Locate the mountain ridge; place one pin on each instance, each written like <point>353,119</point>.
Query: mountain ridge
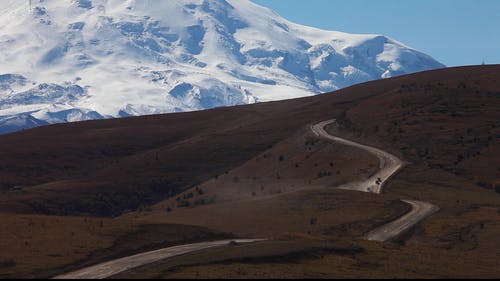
<point>87,59</point>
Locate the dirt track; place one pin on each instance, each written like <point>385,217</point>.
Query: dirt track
<point>420,210</point>
<point>107,269</point>
<point>389,165</point>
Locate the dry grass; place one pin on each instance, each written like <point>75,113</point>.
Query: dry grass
<point>42,246</point>
<point>438,248</point>
<point>37,243</point>
<point>256,171</point>
<point>302,199</point>
<point>446,126</point>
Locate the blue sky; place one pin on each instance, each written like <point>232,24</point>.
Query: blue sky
<point>455,32</point>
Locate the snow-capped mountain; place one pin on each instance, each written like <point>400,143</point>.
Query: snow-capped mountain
<point>71,60</point>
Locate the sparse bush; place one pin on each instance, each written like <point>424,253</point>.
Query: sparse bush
<point>497,188</point>
<point>7,263</point>
<point>200,191</point>
<point>212,199</point>
<point>484,184</point>
<point>200,202</point>
<point>324,174</point>
<point>281,158</point>
<point>183,204</point>
<point>313,221</point>
<point>188,195</point>
<point>311,141</point>
<point>144,208</point>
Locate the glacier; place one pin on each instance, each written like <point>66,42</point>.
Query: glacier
<point>75,60</point>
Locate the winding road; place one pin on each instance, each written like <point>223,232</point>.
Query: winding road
<point>108,269</point>
<point>420,210</point>
<point>389,165</point>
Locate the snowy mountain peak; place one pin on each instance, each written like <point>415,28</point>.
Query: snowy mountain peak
<point>70,60</point>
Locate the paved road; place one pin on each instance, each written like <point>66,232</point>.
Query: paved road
<point>389,165</point>
<point>108,269</point>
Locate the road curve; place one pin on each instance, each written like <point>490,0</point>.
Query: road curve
<point>110,268</point>
<point>420,210</point>
<point>389,165</point>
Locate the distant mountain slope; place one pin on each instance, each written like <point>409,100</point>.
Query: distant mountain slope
<point>76,60</point>
<point>443,120</point>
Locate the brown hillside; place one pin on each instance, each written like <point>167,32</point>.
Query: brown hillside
<point>107,167</point>
<point>258,171</point>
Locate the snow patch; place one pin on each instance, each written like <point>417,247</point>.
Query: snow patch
<point>75,60</point>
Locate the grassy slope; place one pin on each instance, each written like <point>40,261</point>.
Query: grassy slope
<point>114,165</point>
<point>445,124</point>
